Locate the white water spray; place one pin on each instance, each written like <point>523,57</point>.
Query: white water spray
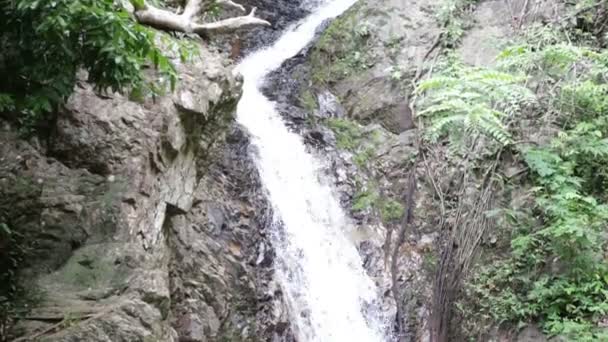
<point>330,296</point>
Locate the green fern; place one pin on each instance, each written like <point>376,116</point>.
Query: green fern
<point>473,101</point>
<point>556,61</point>
<point>6,102</point>
<point>584,99</point>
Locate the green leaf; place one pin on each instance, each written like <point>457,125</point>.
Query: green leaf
<point>5,229</point>
<point>138,4</point>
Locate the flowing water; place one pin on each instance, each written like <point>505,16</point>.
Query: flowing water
<point>330,296</point>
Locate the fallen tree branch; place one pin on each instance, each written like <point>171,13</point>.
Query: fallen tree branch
<point>231,24</point>
<point>166,20</point>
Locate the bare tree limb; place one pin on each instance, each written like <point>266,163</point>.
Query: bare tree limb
<point>231,24</point>
<point>193,7</point>
<point>163,19</point>
<point>185,22</point>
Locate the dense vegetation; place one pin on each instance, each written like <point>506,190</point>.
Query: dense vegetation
<point>553,78</point>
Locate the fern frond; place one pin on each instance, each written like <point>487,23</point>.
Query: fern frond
<point>440,125</point>
<point>436,83</point>
<point>475,101</point>
<point>496,77</point>
<point>452,105</point>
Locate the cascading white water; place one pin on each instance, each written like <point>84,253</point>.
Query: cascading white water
<point>330,296</point>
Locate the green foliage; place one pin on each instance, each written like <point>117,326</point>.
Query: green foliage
<point>348,133</point>
<point>557,272</point>
<point>213,10</point>
<point>11,257</point>
<point>370,199</point>
<point>308,100</point>
<point>391,210</point>
<point>6,103</point>
<point>364,200</point>
<point>362,158</point>
<point>396,73</point>
<point>585,99</point>
<point>462,102</point>
<point>550,61</point>
<point>352,137</point>
<point>572,82</point>
<point>138,4</point>
<point>44,44</point>
<point>430,261</point>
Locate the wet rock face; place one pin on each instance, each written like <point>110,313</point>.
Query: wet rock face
<point>45,200</point>
<point>222,266</point>
<point>147,219</point>
<point>279,13</point>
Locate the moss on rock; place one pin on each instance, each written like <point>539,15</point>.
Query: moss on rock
<point>341,50</point>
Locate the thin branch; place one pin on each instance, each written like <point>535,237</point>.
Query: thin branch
<point>523,15</point>
<point>437,189</point>
<point>420,69</point>
<point>406,223</point>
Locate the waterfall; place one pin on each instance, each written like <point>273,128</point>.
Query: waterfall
<point>329,294</point>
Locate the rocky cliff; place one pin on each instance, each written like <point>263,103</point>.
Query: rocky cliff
<point>145,221</point>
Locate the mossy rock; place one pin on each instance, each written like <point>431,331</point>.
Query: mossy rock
<point>341,50</point>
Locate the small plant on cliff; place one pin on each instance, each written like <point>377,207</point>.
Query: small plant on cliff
<point>452,17</point>
<point>348,133</point>
<point>388,209</point>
